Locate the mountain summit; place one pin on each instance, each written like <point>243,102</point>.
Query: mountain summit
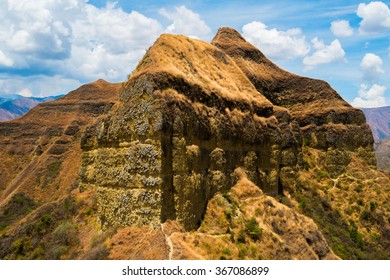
<point>212,151</point>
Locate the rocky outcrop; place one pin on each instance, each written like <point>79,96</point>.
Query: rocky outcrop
<point>192,112</point>
<point>187,118</point>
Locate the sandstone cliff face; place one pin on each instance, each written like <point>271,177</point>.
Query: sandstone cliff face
<point>187,118</point>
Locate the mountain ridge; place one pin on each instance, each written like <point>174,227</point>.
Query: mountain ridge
<point>13,106</point>
<point>379,120</point>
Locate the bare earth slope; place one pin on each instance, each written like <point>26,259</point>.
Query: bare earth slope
<point>46,136</point>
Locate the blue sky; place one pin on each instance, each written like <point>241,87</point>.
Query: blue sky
<point>49,47</point>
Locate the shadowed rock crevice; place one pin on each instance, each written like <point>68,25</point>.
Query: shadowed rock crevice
<point>168,211</point>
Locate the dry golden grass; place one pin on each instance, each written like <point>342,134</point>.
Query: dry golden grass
<point>302,96</point>
<point>138,243</point>
<point>202,64</point>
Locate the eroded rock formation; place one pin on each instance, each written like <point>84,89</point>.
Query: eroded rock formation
<point>193,112</point>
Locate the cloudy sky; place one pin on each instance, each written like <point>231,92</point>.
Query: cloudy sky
<point>49,47</point>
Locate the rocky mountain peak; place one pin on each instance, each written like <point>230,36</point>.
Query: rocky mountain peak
<point>228,34</point>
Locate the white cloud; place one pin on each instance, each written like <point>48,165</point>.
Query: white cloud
<point>79,41</point>
<point>371,65</point>
<point>25,92</point>
<point>186,22</point>
<point>274,43</point>
<point>119,32</point>
<point>375,17</point>
<point>324,53</point>
<point>370,97</point>
<point>5,60</point>
<point>341,28</point>
<point>39,28</point>
<point>73,39</point>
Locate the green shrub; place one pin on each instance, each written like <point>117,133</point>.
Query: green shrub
<point>356,236</point>
<point>18,206</point>
<point>305,165</point>
<point>366,215</point>
<point>253,230</point>
<point>241,237</point>
<point>56,252</point>
<point>242,251</point>
<point>373,206</point>
<point>100,252</point>
<point>226,251</point>
<point>65,233</point>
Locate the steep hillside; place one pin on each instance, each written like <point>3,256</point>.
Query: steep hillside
<point>46,135</point>
<point>382,153</point>
<point>210,152</point>
<point>40,160</point>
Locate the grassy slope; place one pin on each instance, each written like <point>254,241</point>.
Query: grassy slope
<point>351,209</point>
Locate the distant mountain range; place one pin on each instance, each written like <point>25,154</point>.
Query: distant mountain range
<point>379,121</point>
<point>14,105</point>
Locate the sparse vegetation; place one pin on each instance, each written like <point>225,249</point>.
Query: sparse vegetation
<point>346,226</point>
<point>253,230</point>
<point>18,206</point>
<point>48,234</point>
